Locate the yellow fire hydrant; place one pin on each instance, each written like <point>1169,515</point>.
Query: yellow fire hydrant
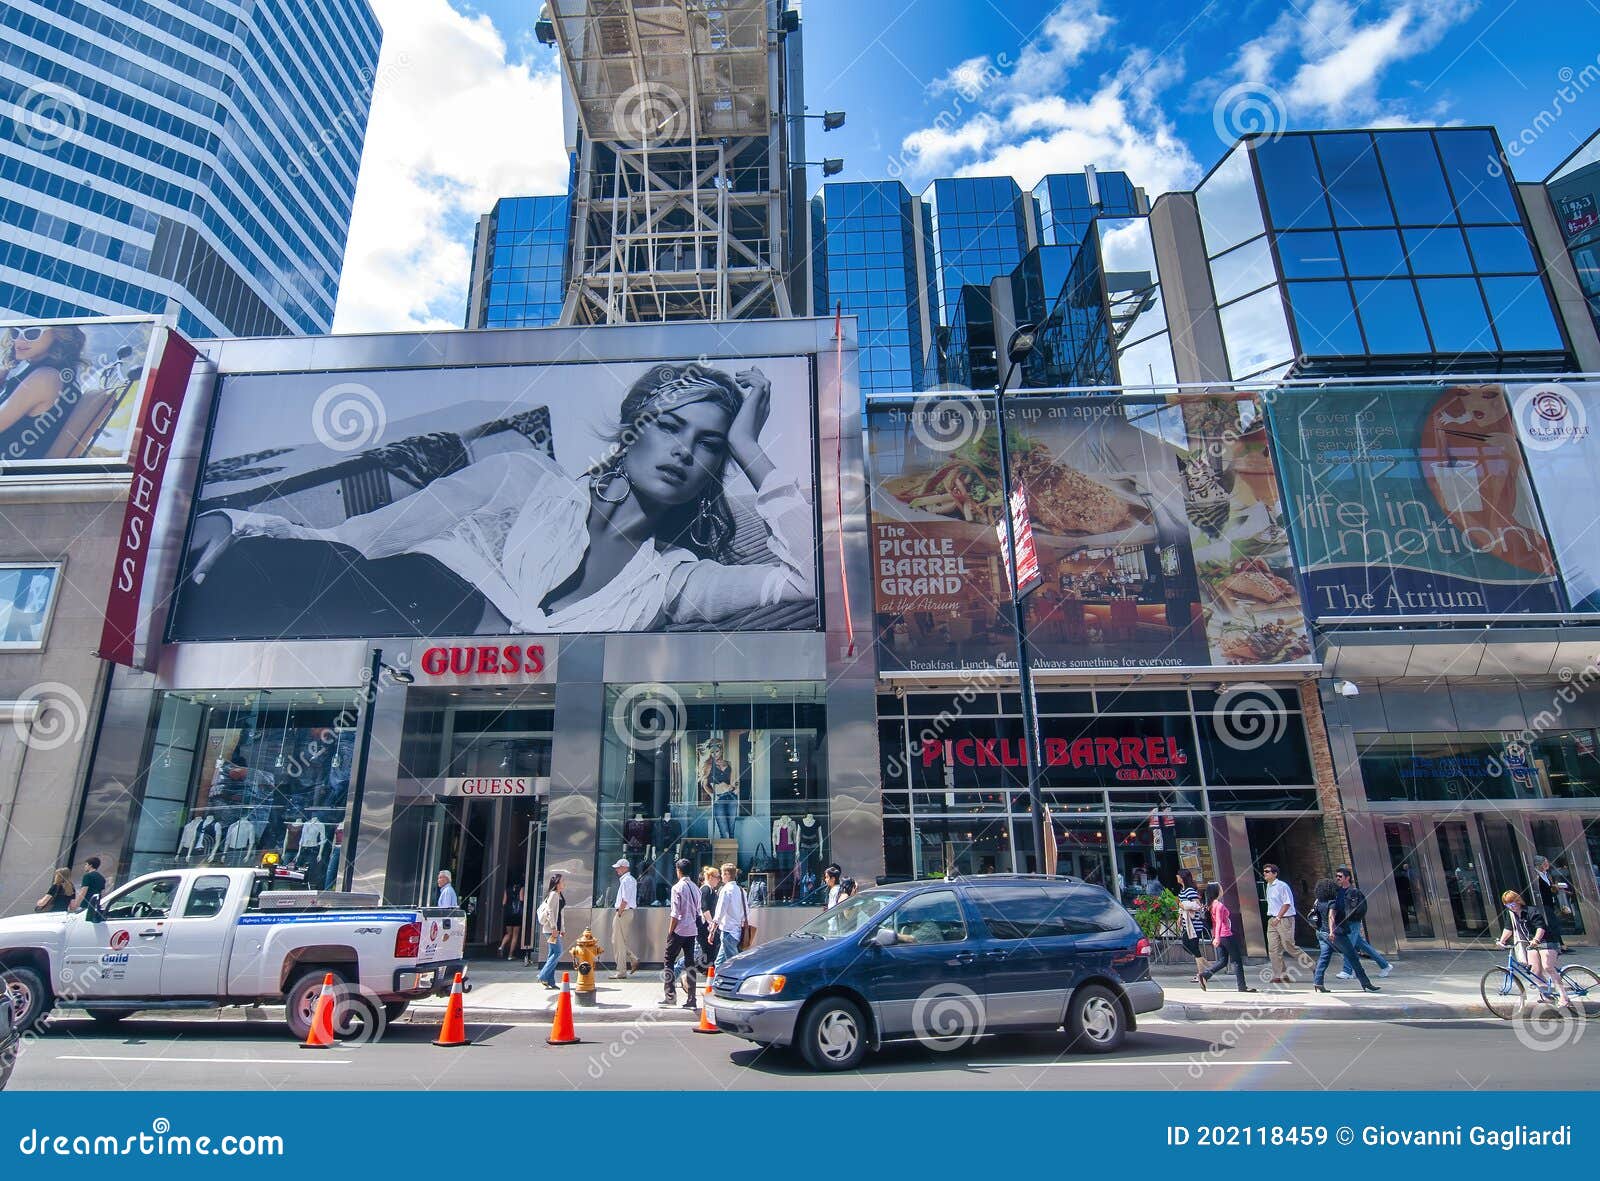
<point>585,954</point>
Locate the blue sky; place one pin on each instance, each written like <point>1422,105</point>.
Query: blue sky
<point>938,87</point>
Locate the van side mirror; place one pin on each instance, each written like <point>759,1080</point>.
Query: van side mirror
<point>884,937</point>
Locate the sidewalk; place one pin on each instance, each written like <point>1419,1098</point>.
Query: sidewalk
<point>1425,984</point>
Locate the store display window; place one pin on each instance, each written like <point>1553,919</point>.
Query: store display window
<point>716,774</point>
<point>234,775</point>
<point>1481,765</point>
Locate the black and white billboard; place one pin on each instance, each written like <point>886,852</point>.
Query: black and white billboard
<point>516,499</point>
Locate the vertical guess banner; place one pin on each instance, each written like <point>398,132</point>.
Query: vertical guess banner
<point>152,448</point>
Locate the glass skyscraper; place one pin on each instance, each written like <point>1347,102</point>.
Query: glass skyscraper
<point>197,157</point>
<point>519,268</point>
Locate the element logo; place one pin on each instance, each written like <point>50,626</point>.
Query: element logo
<point>1549,416</point>
<point>119,940</point>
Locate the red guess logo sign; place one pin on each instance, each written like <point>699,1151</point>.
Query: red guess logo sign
<point>483,660</point>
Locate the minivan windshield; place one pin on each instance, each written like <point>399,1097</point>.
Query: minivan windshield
<point>850,916</point>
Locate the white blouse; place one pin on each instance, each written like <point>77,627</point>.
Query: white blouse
<point>515,525</point>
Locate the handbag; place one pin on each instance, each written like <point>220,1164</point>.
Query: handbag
<point>762,861</point>
<point>747,935</point>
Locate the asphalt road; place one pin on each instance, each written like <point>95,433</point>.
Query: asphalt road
<point>187,1054</point>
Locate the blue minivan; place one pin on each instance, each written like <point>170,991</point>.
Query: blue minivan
<point>944,963</point>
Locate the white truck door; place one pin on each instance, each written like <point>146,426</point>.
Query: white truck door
<point>120,956</point>
<point>197,939</point>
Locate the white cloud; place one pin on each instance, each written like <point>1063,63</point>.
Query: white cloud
<point>967,79</point>
<point>1333,55</point>
<point>1030,127</point>
<point>457,122</point>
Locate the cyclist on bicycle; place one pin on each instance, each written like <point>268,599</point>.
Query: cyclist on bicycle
<point>1525,927</point>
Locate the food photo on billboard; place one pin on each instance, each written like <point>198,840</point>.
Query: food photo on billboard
<point>1156,521</point>
<point>1412,501</point>
<point>672,496</point>
<point>70,389</point>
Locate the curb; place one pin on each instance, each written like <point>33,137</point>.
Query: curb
<point>1358,1011</point>
<point>595,1016</point>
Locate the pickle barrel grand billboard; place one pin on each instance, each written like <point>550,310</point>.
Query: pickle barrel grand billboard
<point>1157,520</point>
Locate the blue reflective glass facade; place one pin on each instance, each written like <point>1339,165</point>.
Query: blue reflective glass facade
<point>1065,204</point>
<point>980,232</point>
<point>198,153</point>
<point>870,269</point>
<point>1394,250</point>
<point>1574,191</point>
<point>525,262</point>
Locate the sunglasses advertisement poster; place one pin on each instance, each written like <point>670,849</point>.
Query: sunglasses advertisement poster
<point>1157,525</point>
<point>666,496</point>
<point>70,390</point>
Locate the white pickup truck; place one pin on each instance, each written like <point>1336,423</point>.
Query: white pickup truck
<point>205,938</point>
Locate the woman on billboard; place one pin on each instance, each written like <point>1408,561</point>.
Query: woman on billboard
<point>40,385</point>
<point>512,543</point>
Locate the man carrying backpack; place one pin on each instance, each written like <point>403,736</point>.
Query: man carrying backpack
<point>1353,903</point>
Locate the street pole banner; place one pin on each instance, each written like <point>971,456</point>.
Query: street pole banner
<point>1026,575</point>
<point>1556,424</point>
<point>1412,501</point>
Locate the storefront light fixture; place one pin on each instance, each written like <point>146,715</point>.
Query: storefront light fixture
<point>1347,689</point>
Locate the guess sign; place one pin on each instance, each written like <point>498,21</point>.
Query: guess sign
<point>496,787</point>
<point>476,663</point>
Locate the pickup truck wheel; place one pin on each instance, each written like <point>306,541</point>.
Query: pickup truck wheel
<point>25,989</point>
<point>833,1035</point>
<point>300,1001</point>
<point>109,1017</point>
<point>394,1010</point>
<point>1094,1020</point>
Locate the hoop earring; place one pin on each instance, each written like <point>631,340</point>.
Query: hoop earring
<point>606,480</point>
<point>706,522</point>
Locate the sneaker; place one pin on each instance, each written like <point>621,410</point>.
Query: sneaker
<point>689,1005</point>
<point>1345,976</point>
<point>1385,971</point>
<point>667,1002</point>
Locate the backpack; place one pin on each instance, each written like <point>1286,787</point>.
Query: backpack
<point>546,917</point>
<point>1356,905</point>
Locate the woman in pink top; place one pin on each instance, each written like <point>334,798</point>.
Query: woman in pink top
<point>1229,944</point>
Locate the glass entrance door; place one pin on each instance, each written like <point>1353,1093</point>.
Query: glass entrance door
<point>1464,880</point>
<point>1410,880</point>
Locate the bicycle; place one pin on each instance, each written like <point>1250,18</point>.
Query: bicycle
<point>1505,989</point>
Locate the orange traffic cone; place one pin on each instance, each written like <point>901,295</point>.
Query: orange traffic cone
<point>320,1035</point>
<point>561,1031</point>
<point>706,1024</point>
<point>454,1030</point>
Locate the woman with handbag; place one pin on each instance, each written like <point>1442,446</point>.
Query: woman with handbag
<point>735,931</point>
<point>1552,896</point>
<point>550,921</point>
<point>59,895</point>
<point>1194,923</point>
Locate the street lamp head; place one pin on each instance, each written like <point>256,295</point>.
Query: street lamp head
<point>832,165</point>
<point>832,120</point>
<point>1021,344</point>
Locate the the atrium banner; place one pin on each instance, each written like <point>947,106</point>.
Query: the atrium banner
<point>522,499</point>
<point>1557,424</point>
<point>1157,523</point>
<point>1411,501</point>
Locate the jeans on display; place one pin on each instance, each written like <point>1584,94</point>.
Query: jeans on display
<point>548,972</point>
<point>1231,947</point>
<point>1338,943</point>
<point>724,812</point>
<point>1358,944</point>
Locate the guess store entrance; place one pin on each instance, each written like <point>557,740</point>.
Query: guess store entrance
<point>474,777</point>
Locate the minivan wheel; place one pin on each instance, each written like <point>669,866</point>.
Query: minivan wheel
<point>1095,1022</point>
<point>833,1035</point>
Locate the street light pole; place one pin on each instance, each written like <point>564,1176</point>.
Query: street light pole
<point>1017,349</point>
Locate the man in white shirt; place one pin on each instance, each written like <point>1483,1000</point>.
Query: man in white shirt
<point>1280,924</point>
<point>622,920</point>
<point>447,892</point>
<point>733,912</point>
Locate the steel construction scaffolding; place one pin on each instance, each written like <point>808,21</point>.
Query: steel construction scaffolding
<point>681,186</point>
